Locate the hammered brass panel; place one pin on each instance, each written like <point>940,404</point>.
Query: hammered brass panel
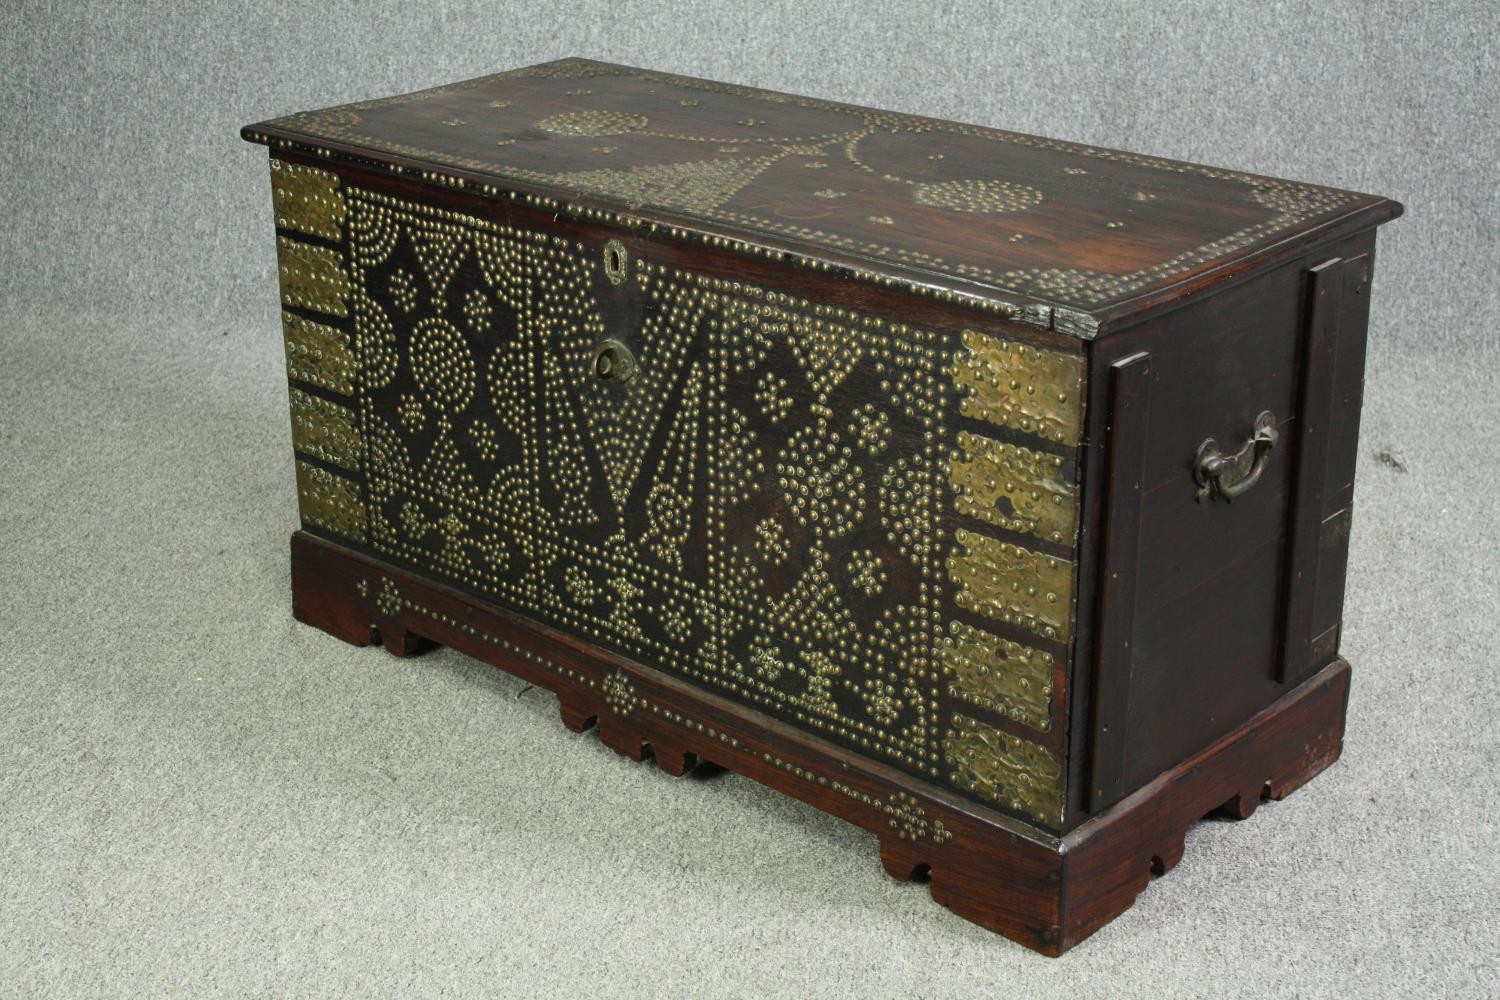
<point>1029,389</point>
<point>1012,584</point>
<point>999,675</point>
<point>324,429</point>
<point>330,502</point>
<point>307,199</point>
<point>318,354</point>
<point>1014,488</point>
<point>1006,769</point>
<point>312,277</point>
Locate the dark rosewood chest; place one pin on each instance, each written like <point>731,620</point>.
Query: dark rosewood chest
<point>988,491</point>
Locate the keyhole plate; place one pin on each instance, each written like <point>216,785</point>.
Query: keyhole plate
<point>613,362</point>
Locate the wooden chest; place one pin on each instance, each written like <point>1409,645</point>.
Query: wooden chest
<point>988,491</point>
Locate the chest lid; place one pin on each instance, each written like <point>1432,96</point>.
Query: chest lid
<point>1077,238</point>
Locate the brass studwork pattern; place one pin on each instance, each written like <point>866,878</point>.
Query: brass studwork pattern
<point>698,186</point>
<point>905,814</point>
<point>1013,488</point>
<point>427,504</point>
<point>910,821</point>
<point>999,675</point>
<point>312,277</point>
<point>307,199</point>
<point>1029,389</point>
<point>317,354</point>
<point>1292,203</point>
<point>393,602</point>
<point>390,601</point>
<point>1012,584</point>
<point>619,693</point>
<point>324,429</point>
<point>330,502</point>
<point>443,364</point>
<point>1004,769</point>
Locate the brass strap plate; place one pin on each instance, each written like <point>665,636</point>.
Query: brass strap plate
<point>1012,584</point>
<point>307,199</point>
<point>312,277</point>
<point>1029,389</point>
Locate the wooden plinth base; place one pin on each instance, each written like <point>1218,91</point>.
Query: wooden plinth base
<point>1045,892</point>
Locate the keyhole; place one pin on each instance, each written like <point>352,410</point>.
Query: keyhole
<point>604,363</point>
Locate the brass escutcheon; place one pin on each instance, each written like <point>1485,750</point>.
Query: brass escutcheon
<point>615,259</point>
<point>613,362</point>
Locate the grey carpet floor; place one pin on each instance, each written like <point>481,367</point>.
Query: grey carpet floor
<point>201,797</point>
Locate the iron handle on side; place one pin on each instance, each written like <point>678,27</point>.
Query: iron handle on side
<point>1229,476</point>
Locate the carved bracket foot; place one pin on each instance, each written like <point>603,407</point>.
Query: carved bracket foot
<point>1046,892</point>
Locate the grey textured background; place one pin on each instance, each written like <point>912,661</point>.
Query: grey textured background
<point>199,797</point>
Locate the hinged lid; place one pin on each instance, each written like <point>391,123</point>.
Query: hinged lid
<point>1073,237</point>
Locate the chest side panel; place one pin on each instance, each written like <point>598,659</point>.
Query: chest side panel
<point>859,526</point>
<point>1217,584</point>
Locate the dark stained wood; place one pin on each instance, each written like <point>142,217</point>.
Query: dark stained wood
<point>1044,892</point>
<point>1210,578</point>
<point>1109,860</point>
<point>1127,430</point>
<point>1338,490</point>
<point>1325,298</point>
<point>1110,236</point>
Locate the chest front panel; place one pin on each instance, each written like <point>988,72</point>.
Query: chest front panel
<point>859,527</point>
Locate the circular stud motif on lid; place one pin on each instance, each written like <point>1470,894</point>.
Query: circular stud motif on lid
<point>592,123</point>
<point>984,196</point>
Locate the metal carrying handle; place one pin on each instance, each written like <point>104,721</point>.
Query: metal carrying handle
<point>1230,476</point>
